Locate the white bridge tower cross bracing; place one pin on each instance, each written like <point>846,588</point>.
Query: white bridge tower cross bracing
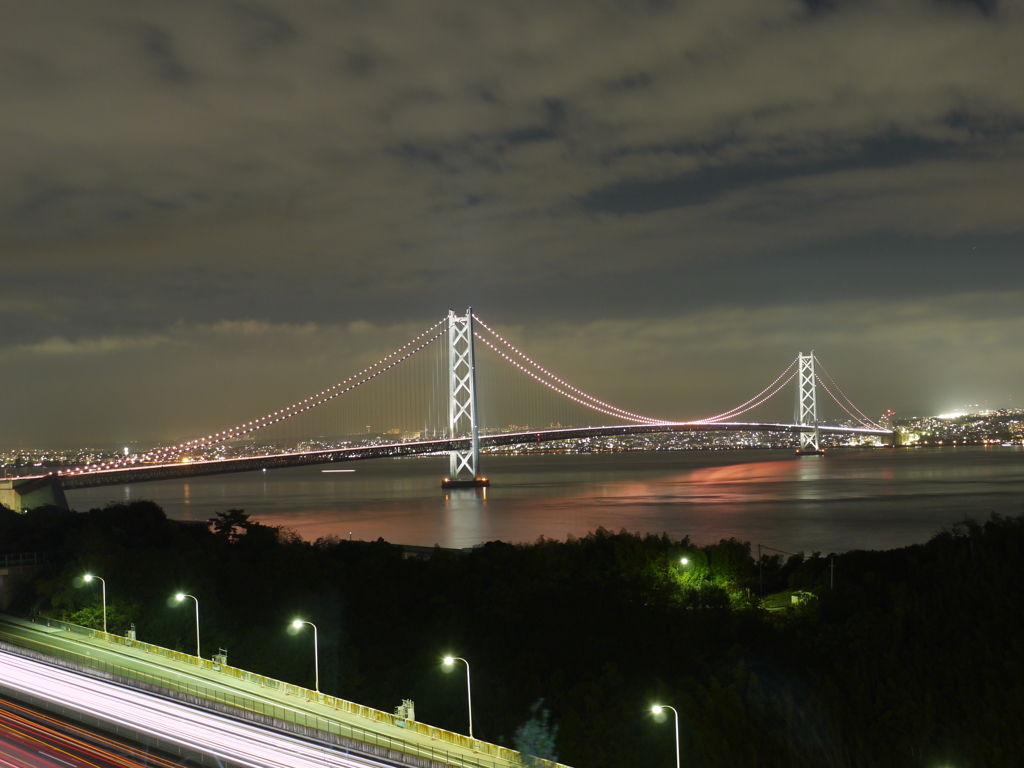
<point>462,410</point>
<point>807,406</point>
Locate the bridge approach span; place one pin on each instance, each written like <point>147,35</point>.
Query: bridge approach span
<point>92,478</point>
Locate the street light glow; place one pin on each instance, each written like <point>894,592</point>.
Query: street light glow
<point>88,578</point>
<point>449,661</point>
<point>684,561</point>
<point>181,596</point>
<point>658,709</point>
<point>297,625</point>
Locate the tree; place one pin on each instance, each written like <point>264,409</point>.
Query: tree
<point>226,523</point>
<point>535,738</point>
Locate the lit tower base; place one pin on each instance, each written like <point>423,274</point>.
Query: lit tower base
<point>807,409</point>
<point>462,418</point>
<point>476,482</point>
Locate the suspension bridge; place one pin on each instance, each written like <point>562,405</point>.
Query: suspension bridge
<point>423,399</point>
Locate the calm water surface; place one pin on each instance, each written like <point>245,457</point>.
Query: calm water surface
<point>872,499</point>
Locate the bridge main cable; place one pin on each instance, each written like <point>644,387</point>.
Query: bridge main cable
<point>594,403</point>
<point>739,409</point>
<point>165,454</point>
<point>863,418</point>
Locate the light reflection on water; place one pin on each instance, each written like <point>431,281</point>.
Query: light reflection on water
<point>845,500</point>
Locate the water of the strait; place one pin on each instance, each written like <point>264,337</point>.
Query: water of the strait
<point>848,499</point>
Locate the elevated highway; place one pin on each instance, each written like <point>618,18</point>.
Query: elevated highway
<point>269,704</point>
<point>198,736</point>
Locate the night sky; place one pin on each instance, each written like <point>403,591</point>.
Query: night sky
<point>212,208</point>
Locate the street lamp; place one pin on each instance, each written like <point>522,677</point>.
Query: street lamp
<point>179,597</point>
<point>684,561</point>
<point>656,709</point>
<point>89,577</point>
<point>297,624</point>
<point>449,661</point>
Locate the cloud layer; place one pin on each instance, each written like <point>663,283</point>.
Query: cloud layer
<point>195,379</point>
<point>309,164</point>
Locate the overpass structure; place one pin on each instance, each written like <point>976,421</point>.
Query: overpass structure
<point>166,687</point>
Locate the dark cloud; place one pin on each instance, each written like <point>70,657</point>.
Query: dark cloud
<point>163,59</point>
<point>360,63</point>
<point>986,7</point>
<point>172,166</point>
<point>632,82</point>
<point>263,28</point>
<point>984,127</point>
<point>710,182</point>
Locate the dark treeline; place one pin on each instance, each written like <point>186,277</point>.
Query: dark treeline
<point>914,658</point>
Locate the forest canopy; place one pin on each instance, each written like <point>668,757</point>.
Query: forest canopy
<point>903,657</point>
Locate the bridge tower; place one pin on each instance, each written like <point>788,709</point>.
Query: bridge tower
<point>807,408</point>
<point>462,413</point>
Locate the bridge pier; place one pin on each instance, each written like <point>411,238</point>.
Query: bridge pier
<point>22,494</point>
<point>462,413</point>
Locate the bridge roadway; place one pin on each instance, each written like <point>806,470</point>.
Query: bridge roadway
<point>286,703</point>
<point>91,478</point>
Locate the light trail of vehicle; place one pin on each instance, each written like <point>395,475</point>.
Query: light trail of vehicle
<point>22,736</point>
<point>227,691</point>
<point>31,727</point>
<point>205,732</point>
<point>26,743</point>
<point>161,671</point>
<point>16,755</point>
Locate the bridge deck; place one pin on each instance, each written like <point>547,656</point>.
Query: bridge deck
<point>87,477</point>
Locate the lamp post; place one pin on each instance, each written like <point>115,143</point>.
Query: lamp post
<point>449,661</point>
<point>297,624</point>
<point>89,577</point>
<point>656,709</point>
<point>179,597</point>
